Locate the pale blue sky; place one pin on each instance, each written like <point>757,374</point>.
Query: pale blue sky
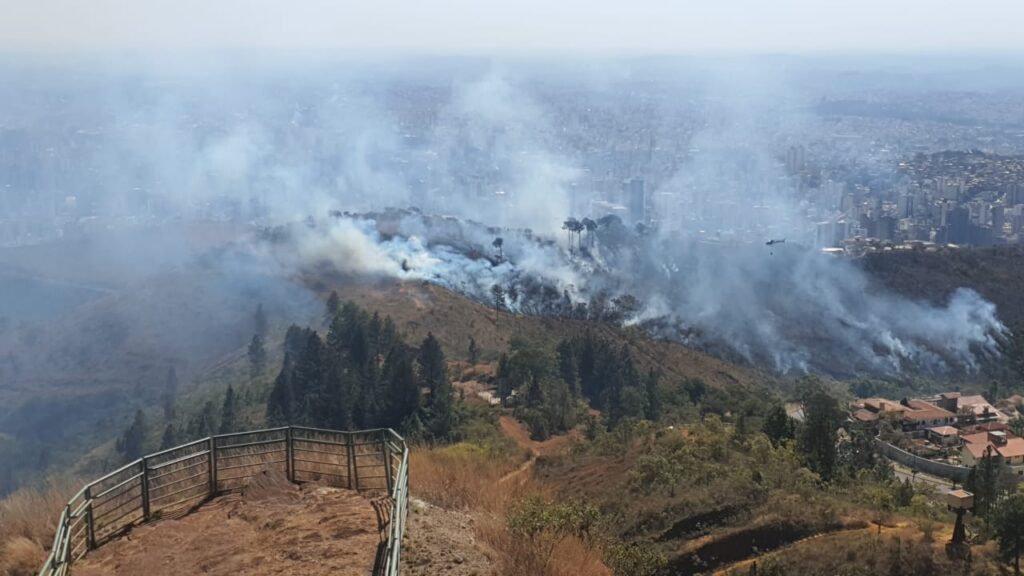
<point>497,26</point>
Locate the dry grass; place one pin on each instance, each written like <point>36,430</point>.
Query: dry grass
<point>21,557</point>
<point>467,478</point>
<point>461,477</point>
<point>545,554</point>
<point>28,521</point>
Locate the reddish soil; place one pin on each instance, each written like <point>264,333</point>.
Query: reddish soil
<point>313,531</point>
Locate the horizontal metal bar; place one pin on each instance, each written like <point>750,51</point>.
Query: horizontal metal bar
<point>253,465</point>
<point>341,453</point>
<point>193,456</point>
<point>172,505</point>
<point>116,472</point>
<point>123,526</point>
<point>204,474</point>
<point>115,503</point>
<point>267,431</point>
<point>116,486</point>
<point>182,469</point>
<point>321,473</point>
<point>81,508</point>
<point>176,492</point>
<point>248,444</point>
<point>134,500</point>
<point>319,462</point>
<point>182,447</point>
<point>324,442</point>
<point>226,456</point>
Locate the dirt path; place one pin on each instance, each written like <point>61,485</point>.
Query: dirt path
<point>313,531</point>
<point>517,431</point>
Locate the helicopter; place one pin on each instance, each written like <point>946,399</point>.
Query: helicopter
<point>773,242</point>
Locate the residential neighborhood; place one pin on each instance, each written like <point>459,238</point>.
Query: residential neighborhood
<point>950,428</point>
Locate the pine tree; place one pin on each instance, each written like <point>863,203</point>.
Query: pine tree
<point>170,437</point>
<point>474,351</point>
<point>567,366</point>
<point>431,361</point>
<point>440,412</point>
<point>204,424</point>
<point>498,296</point>
<point>229,412</point>
<point>778,426</point>
<point>281,399</point>
<point>132,443</point>
<point>170,396</point>
<point>403,391</point>
<point>311,400</point>
<point>257,356</point>
<point>653,399</point>
<point>817,440</point>
<point>260,321</point>
<point>333,305</point>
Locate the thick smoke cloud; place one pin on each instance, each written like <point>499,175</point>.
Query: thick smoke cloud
<point>486,153</point>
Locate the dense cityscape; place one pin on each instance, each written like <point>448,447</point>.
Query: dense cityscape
<point>844,168</point>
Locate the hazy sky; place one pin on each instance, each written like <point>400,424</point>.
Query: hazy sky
<point>475,26</point>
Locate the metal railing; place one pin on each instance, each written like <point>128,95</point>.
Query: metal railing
<point>173,482</point>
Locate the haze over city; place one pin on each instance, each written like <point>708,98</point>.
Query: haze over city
<point>595,288</point>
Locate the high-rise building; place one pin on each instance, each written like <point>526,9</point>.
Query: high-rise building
<point>635,198</point>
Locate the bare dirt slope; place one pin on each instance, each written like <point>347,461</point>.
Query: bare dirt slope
<point>311,531</point>
<point>439,541</point>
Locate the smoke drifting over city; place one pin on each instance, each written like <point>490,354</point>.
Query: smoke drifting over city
<point>415,179</point>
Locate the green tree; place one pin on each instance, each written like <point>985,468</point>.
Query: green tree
<point>260,321</point>
<point>498,297</point>
<point>170,395</point>
<point>439,419</point>
<point>653,399</point>
<point>281,399</point>
<point>169,438</point>
<point>818,436</point>
<point>778,426</point>
<point>229,412</point>
<point>132,442</point>
<point>1017,425</point>
<point>640,558</point>
<point>433,370</point>
<point>205,423</point>
<point>567,365</point>
<point>474,351</point>
<point>984,482</point>
<point>402,389</point>
<point>1008,525</point>
<point>333,305</point>
<point>257,356</point>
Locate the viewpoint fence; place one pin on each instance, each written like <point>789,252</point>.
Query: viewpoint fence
<point>173,482</point>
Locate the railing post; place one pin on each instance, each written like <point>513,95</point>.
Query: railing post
<point>90,525</point>
<point>353,466</point>
<point>289,458</point>
<point>145,489</point>
<point>67,537</point>
<point>387,460</point>
<point>212,457</point>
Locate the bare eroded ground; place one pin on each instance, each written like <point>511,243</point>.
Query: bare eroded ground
<point>312,531</point>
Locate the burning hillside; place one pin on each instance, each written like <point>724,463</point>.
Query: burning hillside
<point>786,307</point>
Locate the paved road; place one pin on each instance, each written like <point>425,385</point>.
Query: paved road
<point>942,486</point>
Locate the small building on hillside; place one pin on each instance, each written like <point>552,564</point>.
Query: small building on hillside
<point>944,435</point>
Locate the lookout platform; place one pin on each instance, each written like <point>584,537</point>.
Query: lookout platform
<point>274,527</point>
